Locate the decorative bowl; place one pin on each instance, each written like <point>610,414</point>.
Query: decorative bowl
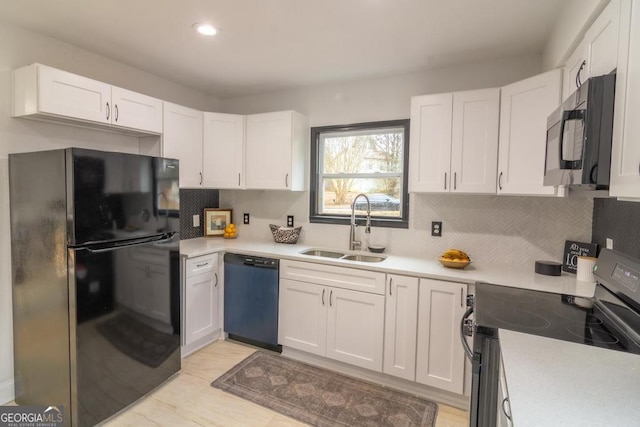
<point>449,263</point>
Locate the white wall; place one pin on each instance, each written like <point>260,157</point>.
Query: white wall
<point>19,47</point>
<point>574,19</point>
<point>509,230</point>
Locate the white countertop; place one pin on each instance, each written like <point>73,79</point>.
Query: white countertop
<point>520,276</point>
<point>559,383</point>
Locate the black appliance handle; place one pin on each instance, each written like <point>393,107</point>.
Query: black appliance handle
<point>465,344</point>
<point>128,243</point>
<point>566,116</point>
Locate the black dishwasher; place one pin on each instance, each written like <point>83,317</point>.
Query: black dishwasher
<point>251,300</point>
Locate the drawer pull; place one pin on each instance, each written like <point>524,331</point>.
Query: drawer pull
<point>204,264</point>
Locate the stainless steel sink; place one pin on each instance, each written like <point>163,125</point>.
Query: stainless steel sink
<point>321,253</point>
<point>363,258</point>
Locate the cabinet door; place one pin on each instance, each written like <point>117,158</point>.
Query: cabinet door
<point>625,152</point>
<point>136,111</point>
<point>355,328</point>
<point>474,150</point>
<point>575,70</point>
<point>269,150</point>
<point>602,41</point>
<point>302,316</point>
<point>66,94</point>
<point>182,140</point>
<point>223,150</point>
<point>200,306</point>
<point>440,356</point>
<point>401,325</point>
<point>430,143</point>
<point>524,109</point>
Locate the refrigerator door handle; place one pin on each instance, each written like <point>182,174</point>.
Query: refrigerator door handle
<point>129,243</point>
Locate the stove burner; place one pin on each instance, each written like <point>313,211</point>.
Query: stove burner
<point>580,318</point>
<point>598,336</point>
<point>520,318</point>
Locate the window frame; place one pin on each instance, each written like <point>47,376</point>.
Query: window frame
<point>376,221</point>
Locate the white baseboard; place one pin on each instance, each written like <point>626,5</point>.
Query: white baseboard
<point>6,391</point>
<point>186,350</point>
<point>434,394</point>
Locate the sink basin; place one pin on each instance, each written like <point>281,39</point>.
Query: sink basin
<point>364,258</point>
<point>321,253</point>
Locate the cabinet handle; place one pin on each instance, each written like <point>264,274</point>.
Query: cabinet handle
<point>323,291</point>
<point>286,181</point>
<point>578,79</point>
<point>504,408</point>
<point>445,180</point>
<point>500,181</point>
<point>390,285</point>
<point>238,180</point>
<point>108,111</point>
<point>200,178</point>
<point>204,264</point>
<point>216,284</point>
<point>116,111</point>
<point>461,297</point>
<point>330,297</point>
<point>455,180</point>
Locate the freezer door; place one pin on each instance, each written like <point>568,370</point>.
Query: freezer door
<point>119,196</point>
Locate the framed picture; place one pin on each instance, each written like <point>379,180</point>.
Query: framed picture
<point>215,220</point>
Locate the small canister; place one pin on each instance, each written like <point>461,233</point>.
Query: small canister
<point>584,271</point>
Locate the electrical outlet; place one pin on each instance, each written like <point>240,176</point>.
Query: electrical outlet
<point>609,243</point>
<point>246,219</point>
<point>289,220</point>
<point>436,228</point>
<point>196,220</point>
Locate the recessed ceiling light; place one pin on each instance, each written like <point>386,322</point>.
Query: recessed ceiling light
<point>205,29</point>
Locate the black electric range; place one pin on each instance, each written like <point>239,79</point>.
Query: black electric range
<point>610,319</point>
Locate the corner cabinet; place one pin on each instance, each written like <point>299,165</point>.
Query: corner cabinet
<point>275,157</point>
<point>440,356</point>
<point>200,302</point>
<point>45,93</point>
<point>454,142</point>
<point>401,325</point>
<point>625,150</point>
<point>223,151</point>
<point>524,109</point>
<point>182,140</point>
<point>324,311</point>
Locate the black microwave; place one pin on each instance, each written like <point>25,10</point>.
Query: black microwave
<point>579,137</point>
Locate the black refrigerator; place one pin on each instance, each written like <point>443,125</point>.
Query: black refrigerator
<point>95,279</point>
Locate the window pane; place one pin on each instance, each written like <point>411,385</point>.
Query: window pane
<point>338,194</point>
<point>364,151</point>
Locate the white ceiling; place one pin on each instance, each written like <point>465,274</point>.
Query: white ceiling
<point>266,45</point>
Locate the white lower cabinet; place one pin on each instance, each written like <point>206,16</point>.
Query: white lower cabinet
<point>440,356</point>
<point>341,324</point>
<point>201,280</point>
<point>401,325</point>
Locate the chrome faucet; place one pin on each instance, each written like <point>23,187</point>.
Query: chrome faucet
<point>353,243</point>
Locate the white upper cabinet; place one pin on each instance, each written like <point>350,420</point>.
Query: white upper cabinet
<point>182,140</point>
<point>575,71</point>
<point>430,143</point>
<point>454,142</point>
<point>601,41</point>
<point>625,152</point>
<point>47,93</point>
<point>223,151</point>
<point>474,148</point>
<point>275,156</point>
<point>524,109</point>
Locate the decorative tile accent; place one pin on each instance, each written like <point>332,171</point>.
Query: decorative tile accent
<point>193,202</point>
<point>619,221</point>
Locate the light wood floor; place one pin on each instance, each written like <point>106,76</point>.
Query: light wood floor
<point>189,400</point>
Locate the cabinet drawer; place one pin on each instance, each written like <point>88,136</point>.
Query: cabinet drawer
<point>201,264</point>
<point>339,277</point>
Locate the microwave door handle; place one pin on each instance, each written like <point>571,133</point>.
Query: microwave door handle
<point>566,116</point>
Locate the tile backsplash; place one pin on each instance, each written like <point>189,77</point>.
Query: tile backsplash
<point>193,202</point>
<point>619,221</point>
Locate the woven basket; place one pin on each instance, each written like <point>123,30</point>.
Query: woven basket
<point>284,234</point>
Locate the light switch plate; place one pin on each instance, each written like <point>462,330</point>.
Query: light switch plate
<point>609,243</point>
<point>196,220</point>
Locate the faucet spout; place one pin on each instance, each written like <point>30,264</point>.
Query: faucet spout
<point>353,243</point>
